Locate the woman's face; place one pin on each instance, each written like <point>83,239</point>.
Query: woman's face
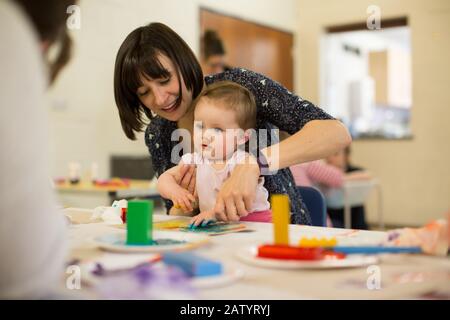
<point>160,95</point>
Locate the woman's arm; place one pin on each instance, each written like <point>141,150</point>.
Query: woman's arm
<point>314,135</point>
<point>237,193</point>
<point>316,140</point>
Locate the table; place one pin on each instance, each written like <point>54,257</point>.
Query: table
<point>134,188</point>
<point>402,276</point>
<point>88,194</point>
<point>351,194</point>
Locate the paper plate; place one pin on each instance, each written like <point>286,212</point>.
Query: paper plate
<point>213,229</point>
<point>116,242</point>
<point>228,277</point>
<point>249,255</point>
<point>113,263</point>
<point>128,262</point>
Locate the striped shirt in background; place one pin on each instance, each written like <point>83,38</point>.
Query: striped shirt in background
<point>316,173</point>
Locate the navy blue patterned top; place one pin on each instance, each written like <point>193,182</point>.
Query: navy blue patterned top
<point>276,108</point>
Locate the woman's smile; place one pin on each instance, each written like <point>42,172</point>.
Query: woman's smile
<point>171,107</point>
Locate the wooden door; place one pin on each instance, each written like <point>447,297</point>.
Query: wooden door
<point>253,46</point>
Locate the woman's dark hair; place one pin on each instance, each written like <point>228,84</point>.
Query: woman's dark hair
<point>211,44</point>
<point>138,57</point>
<point>49,19</point>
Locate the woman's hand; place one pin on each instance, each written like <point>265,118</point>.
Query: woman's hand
<point>187,177</point>
<point>237,194</point>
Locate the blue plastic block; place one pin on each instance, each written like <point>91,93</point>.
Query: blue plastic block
<point>193,264</point>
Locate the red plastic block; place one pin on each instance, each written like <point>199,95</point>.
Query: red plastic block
<point>124,215</point>
<point>289,253</point>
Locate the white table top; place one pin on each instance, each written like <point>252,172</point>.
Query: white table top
<point>402,276</point>
<point>352,193</point>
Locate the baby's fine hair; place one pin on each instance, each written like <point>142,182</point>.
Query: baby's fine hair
<point>232,97</point>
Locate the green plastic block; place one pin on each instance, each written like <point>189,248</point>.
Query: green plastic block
<point>139,222</point>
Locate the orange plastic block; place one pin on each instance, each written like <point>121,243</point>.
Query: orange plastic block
<point>286,252</point>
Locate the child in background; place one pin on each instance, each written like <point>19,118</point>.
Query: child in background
<point>322,174</point>
<point>318,174</point>
<point>224,113</point>
<point>325,175</point>
<point>341,160</point>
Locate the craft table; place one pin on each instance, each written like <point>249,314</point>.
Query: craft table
<point>402,276</point>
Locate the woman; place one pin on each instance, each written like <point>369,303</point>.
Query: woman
<point>212,54</point>
<point>157,75</point>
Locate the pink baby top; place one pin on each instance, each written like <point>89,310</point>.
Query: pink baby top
<point>209,181</point>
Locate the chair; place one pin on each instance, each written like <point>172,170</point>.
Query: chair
<point>315,202</point>
<point>131,167</point>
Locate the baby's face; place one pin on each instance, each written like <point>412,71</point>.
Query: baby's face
<point>216,131</point>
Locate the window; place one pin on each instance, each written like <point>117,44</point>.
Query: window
<point>366,79</point>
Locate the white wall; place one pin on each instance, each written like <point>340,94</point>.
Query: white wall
<point>85,121</point>
<point>277,14</point>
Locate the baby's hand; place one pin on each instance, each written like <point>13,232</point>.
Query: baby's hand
<point>202,219</point>
<point>182,199</point>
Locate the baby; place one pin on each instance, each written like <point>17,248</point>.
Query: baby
<point>224,115</point>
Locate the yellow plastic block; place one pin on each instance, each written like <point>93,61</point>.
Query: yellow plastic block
<point>177,206</point>
<point>314,242</point>
<point>171,224</point>
<point>280,218</point>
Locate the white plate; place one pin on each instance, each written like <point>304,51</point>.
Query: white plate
<point>249,255</point>
<point>116,242</point>
<point>228,277</point>
<point>113,262</point>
